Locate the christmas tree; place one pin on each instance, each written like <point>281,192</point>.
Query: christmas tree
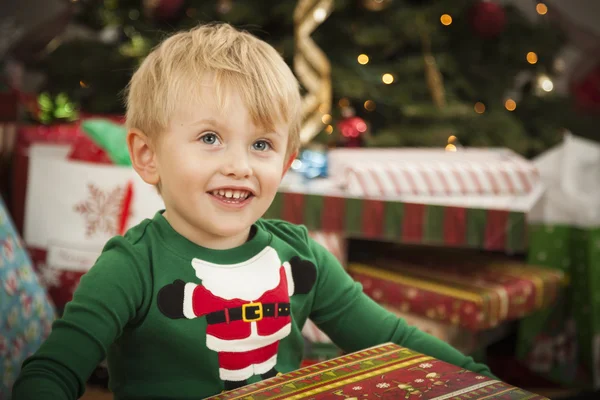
<point>444,73</point>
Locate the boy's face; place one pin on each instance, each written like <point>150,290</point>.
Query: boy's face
<point>218,171</point>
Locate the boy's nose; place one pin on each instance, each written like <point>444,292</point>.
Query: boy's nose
<point>236,165</point>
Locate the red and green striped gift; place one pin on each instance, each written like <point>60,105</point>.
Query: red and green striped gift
<point>447,226</point>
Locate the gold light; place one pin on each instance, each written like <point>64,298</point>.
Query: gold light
<point>510,104</point>
<point>369,105</point>
<point>344,102</point>
<point>329,129</point>
<point>83,84</point>
<point>326,119</point>
<point>451,139</point>
<point>387,78</point>
<point>479,107</point>
<point>541,8</point>
<point>363,59</point>
<point>450,147</point>
<point>323,108</point>
<point>532,58</point>
<point>446,19</point>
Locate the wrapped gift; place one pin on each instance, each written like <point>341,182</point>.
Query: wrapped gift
<point>563,343</point>
<point>432,172</point>
<point>26,313</point>
<point>387,371</point>
<point>470,295</point>
<point>73,208</point>
<point>462,339</point>
<point>69,134</point>
<point>27,135</point>
<point>449,226</point>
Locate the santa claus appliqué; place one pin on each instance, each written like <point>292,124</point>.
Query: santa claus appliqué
<point>247,309</point>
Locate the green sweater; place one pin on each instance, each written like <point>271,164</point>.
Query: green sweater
<point>173,319</point>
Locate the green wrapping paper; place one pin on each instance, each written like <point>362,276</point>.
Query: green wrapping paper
<point>496,230</point>
<point>563,343</point>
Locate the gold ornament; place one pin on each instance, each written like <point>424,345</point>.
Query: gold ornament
<point>433,76</point>
<point>312,66</point>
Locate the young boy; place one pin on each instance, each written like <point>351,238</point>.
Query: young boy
<point>207,296</point>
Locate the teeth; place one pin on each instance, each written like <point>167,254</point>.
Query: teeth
<point>236,194</point>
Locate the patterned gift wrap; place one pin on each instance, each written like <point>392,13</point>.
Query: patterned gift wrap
<point>320,346</point>
<point>475,298</point>
<point>563,343</point>
<point>26,314</point>
<point>449,174</point>
<point>447,226</point>
<point>383,372</point>
<point>26,136</point>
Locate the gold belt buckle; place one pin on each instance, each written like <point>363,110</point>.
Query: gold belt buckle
<point>255,308</point>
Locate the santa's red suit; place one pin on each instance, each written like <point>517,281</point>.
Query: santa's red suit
<point>247,307</point>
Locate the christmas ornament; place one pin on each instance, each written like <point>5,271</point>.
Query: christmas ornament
<point>376,5</point>
<point>224,6</point>
<point>163,9</point>
<point>488,18</point>
<point>586,91</point>
<point>311,164</point>
<point>311,66</point>
<point>352,128</point>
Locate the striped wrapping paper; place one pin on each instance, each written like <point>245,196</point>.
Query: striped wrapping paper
<point>432,172</point>
<point>497,230</point>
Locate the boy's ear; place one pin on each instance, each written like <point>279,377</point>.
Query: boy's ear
<point>143,156</point>
<point>289,162</point>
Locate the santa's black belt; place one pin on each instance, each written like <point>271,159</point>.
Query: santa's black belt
<point>249,313</point>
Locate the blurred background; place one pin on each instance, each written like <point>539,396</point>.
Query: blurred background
<point>491,107</point>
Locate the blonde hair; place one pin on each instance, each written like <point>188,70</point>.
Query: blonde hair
<point>172,75</point>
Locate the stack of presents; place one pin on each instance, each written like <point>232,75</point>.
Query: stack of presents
<point>461,244</point>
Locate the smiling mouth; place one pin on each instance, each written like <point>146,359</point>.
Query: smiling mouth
<point>231,195</point>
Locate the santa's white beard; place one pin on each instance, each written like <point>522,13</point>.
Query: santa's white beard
<point>247,280</point>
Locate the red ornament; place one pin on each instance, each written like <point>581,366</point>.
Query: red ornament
<point>586,91</point>
<point>352,129</point>
<point>163,9</point>
<point>488,18</point>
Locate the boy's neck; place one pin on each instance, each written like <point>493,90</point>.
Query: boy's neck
<point>205,239</point>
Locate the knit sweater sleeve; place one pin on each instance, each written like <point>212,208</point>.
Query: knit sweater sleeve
<point>354,321</point>
<point>108,297</point>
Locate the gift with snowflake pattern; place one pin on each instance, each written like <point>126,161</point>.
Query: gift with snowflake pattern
<point>70,201</point>
<point>26,313</point>
<point>383,372</point>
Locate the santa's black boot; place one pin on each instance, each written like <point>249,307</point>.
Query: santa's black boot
<point>232,385</point>
<point>271,373</point>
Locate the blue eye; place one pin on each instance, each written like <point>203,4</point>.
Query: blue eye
<point>261,145</point>
<point>210,138</point>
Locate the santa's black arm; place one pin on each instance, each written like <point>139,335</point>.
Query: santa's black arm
<point>170,299</point>
<point>304,274</point>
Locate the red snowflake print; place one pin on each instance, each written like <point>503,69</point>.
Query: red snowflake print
<point>101,210</point>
